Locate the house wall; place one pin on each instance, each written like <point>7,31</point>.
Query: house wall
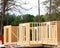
<point>46,33</point>
<point>53,33</point>
<point>10,34</point>
<point>5,34</point>
<point>24,37</point>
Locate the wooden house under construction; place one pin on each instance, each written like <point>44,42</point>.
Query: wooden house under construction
<point>33,34</point>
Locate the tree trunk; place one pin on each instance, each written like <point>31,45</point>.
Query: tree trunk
<point>2,16</point>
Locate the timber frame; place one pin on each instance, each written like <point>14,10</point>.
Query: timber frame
<point>33,34</point>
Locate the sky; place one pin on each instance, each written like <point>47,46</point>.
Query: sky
<point>34,5</point>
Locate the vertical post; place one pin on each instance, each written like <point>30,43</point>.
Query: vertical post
<point>39,9</point>
<point>50,10</point>
<point>2,14</point>
<point>7,13</point>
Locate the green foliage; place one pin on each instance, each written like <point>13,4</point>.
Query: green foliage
<point>12,20</point>
<point>42,18</point>
<point>27,18</point>
<point>15,20</point>
<point>55,17</point>
<point>8,19</point>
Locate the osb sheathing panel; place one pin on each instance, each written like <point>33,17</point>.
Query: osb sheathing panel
<point>14,34</point>
<point>7,38</point>
<point>58,32</point>
<point>11,29</point>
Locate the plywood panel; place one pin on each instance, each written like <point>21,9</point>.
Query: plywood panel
<point>58,32</point>
<point>7,34</point>
<point>14,34</point>
<point>9,38</point>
